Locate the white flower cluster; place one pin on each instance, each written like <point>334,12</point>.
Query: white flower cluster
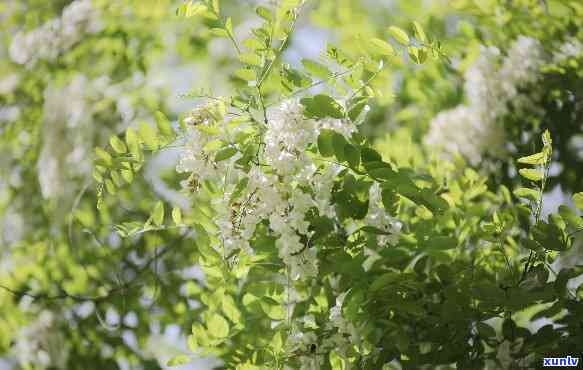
<point>205,126</point>
<point>57,35</point>
<point>378,217</point>
<point>65,116</point>
<point>347,334</point>
<point>40,345</point>
<point>491,84</point>
<point>284,183</point>
<point>572,48</point>
<point>68,132</point>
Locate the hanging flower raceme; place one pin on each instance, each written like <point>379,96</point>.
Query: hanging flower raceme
<point>284,183</point>
<point>491,83</point>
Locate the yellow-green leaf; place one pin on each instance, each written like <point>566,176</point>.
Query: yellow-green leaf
<point>382,47</point>
<point>105,156</point>
<point>132,141</point>
<point>148,135</point>
<point>163,124</point>
<point>399,35</point>
<point>219,32</point>
<point>230,309</point>
<point>547,140</point>
<point>534,159</point>
<point>527,193</point>
<point>177,215</point>
<point>531,174</point>
<point>117,144</point>
<point>218,326</point>
<point>229,25</point>
<point>245,74</point>
<point>158,214</point>
<point>419,32</point>
<point>264,13</point>
<point>225,154</point>
<point>253,44</point>
<point>251,59</point>
<point>316,68</point>
<point>578,200</point>
<point>273,311</point>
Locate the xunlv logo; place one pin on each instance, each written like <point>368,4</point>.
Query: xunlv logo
<point>561,361</point>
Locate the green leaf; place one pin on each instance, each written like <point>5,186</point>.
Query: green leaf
<point>531,174</point>
<point>118,145</point>
<point>441,243</point>
<point>329,106</point>
<point>527,193</point>
<point>419,32</point>
<point>549,236</point>
<point>357,108</point>
<point>226,154</point>
<point>253,44</point>
<point>264,13</point>
<point>245,74</point>
<point>218,326</point>
<point>230,309</point>
<point>272,309</point>
<point>337,362</point>
<point>216,6</point>
<point>164,124</point>
<point>251,59</point>
<point>322,106</point>
<point>195,8</point>
<point>369,155</point>
<point>382,47</point>
<point>399,35</point>
<point>127,175</point>
<point>547,140</point>
<point>133,142</point>
<point>325,143</point>
<point>148,135</point>
<point>315,68</point>
<point>178,360</point>
<point>105,156</point>
<point>534,159</point>
<point>570,217</point>
<point>352,154</point>
<point>339,143</point>
<point>578,200</point>
<point>158,214</point>
<point>177,215</point>
<point>98,176</point>
<point>229,25</point>
<point>110,187</point>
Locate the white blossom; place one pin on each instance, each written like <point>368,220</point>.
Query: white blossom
<point>378,217</point>
<point>66,115</point>
<point>40,344</point>
<point>571,48</point>
<point>492,82</point>
<point>56,35</point>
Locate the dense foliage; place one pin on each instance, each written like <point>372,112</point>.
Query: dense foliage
<point>390,201</point>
